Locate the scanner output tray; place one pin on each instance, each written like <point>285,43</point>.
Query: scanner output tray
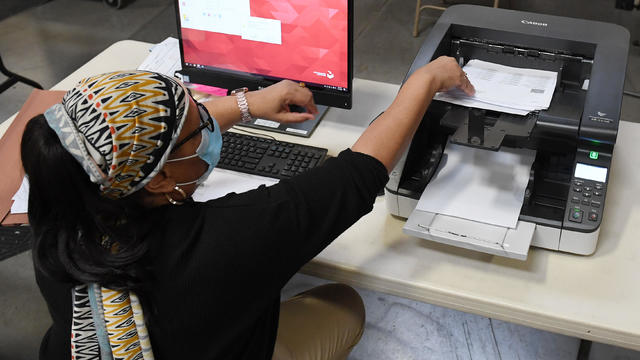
<point>472,235</point>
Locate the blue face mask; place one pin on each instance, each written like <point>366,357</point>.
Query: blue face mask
<point>208,150</point>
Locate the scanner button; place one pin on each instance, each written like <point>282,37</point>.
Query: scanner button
<point>587,188</point>
<point>575,215</point>
<point>586,194</point>
<point>577,189</point>
<point>597,193</point>
<point>595,204</point>
<point>593,216</point>
<point>575,200</point>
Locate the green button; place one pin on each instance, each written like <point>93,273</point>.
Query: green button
<point>593,155</point>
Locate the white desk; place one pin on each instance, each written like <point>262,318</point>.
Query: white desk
<point>595,297</point>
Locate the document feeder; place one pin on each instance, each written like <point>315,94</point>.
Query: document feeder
<point>574,138</point>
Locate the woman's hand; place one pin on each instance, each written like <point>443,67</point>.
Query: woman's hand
<point>273,102</point>
<point>445,74</point>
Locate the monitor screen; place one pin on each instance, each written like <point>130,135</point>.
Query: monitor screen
<point>253,43</point>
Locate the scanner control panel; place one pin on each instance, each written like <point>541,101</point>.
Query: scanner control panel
<point>586,199</point>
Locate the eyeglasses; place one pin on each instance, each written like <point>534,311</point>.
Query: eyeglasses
<point>205,122</point>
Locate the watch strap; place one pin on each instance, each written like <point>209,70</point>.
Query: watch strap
<point>243,105</point>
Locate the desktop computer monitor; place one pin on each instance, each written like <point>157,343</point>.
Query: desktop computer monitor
<point>255,43</point>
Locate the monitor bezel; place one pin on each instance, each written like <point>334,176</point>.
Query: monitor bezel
<point>230,79</point>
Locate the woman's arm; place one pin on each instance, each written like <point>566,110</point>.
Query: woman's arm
<point>270,103</point>
<point>391,133</point>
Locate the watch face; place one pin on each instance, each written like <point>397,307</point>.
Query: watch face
<point>240,90</point>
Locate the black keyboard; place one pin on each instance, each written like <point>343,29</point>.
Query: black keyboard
<point>14,240</point>
<point>267,157</point>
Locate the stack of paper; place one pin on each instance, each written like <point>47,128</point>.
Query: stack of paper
<point>164,58</point>
<point>504,88</point>
<point>479,185</point>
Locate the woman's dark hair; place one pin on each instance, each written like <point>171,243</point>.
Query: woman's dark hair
<point>79,235</point>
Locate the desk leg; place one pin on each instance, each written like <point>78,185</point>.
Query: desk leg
<point>584,350</point>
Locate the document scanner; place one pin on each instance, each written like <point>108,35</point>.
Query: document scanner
<point>574,138</point>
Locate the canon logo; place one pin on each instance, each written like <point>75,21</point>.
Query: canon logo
<point>527,22</point>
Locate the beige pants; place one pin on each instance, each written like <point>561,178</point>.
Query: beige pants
<point>325,323</point>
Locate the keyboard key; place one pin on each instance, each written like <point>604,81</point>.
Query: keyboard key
<point>250,160</point>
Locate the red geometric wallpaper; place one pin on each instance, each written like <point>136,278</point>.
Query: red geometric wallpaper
<point>314,42</point>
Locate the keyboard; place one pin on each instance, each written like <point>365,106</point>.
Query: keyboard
<point>14,240</point>
<point>266,157</point>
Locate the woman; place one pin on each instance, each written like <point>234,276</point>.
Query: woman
<point>112,170</point>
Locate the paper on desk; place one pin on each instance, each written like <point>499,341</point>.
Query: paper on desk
<point>504,88</point>
<point>479,185</point>
<point>221,182</point>
<point>164,58</point>
<point>21,198</point>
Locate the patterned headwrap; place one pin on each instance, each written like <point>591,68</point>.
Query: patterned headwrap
<point>121,126</point>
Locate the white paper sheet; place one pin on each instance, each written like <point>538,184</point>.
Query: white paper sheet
<point>164,58</point>
<point>505,88</point>
<point>21,198</point>
<point>479,185</point>
<point>221,182</point>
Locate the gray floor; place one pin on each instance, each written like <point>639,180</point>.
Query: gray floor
<point>49,41</point>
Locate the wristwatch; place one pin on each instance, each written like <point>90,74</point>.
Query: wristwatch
<point>243,104</point>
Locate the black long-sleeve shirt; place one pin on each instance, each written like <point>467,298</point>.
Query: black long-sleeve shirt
<point>218,266</point>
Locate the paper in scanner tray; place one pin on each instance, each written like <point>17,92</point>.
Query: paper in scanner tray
<point>474,201</point>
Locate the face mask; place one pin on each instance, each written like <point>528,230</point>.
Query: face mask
<point>208,151</point>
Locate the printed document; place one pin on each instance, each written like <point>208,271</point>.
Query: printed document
<point>504,88</point>
<point>479,185</point>
<point>164,58</point>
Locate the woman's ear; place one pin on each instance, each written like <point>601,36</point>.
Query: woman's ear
<point>160,184</point>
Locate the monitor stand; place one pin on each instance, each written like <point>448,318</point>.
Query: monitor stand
<point>303,129</point>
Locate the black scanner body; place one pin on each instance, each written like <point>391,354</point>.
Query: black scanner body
<point>579,127</point>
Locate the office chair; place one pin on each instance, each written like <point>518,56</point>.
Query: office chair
<point>13,78</point>
<point>420,7</point>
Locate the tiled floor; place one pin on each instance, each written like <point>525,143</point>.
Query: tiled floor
<point>48,42</point>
